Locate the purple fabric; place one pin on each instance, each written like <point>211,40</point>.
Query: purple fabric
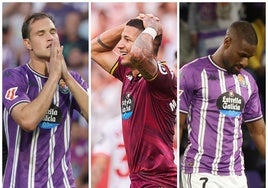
<point>40,158</point>
<point>217,103</point>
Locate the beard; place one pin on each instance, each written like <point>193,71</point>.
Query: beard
<point>234,69</point>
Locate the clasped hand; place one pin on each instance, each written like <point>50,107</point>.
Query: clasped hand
<point>56,66</point>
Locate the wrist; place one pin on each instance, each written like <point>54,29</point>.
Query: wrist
<point>151,31</point>
<point>67,77</point>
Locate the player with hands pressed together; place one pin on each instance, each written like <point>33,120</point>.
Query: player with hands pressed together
<point>38,102</point>
<point>148,98</point>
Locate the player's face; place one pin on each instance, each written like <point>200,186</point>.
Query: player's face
<point>236,56</point>
<point>128,38</point>
<point>42,32</point>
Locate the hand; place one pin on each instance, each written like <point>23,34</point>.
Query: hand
<point>55,63</point>
<point>149,20</point>
<point>65,72</point>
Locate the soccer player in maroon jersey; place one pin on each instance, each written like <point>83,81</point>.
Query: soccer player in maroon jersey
<point>148,98</point>
<point>39,98</point>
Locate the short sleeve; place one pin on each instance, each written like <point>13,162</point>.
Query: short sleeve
<point>14,88</point>
<point>252,109</point>
<point>186,87</point>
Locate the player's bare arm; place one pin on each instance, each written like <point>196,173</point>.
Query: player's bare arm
<point>142,53</point>
<point>257,133</point>
<point>29,115</point>
<point>102,47</point>
<point>80,95</point>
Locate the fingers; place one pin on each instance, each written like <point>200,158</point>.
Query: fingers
<point>150,20</point>
<point>52,49</point>
<point>142,16</point>
<point>153,17</point>
<point>61,50</point>
<point>56,61</point>
<point>55,49</point>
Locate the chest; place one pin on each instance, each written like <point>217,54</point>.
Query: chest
<point>221,89</point>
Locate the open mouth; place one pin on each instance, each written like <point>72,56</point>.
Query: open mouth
<point>123,53</point>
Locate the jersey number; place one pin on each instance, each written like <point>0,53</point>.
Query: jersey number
<point>205,181</point>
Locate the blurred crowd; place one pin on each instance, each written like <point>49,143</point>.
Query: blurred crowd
<point>202,30</point>
<point>72,26</point>
<point>106,90</point>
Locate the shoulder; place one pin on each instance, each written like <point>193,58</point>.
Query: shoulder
<point>247,74</point>
<point>195,65</point>
<point>80,79</point>
<point>17,71</point>
<point>76,75</point>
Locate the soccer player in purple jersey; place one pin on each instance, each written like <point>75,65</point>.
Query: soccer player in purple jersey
<point>148,98</point>
<point>39,98</point>
<point>217,97</point>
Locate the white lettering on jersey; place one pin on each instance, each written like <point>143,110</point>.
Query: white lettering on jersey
<point>173,105</point>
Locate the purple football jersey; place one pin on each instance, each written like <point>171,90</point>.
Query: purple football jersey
<point>148,120</point>
<point>217,103</point>
<point>40,158</point>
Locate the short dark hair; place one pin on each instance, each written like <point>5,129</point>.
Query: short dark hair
<point>244,30</point>
<point>138,23</point>
<point>25,30</point>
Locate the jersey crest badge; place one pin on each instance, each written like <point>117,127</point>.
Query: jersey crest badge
<point>63,87</point>
<point>241,80</point>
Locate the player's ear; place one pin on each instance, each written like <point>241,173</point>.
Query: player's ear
<point>27,44</point>
<point>227,41</point>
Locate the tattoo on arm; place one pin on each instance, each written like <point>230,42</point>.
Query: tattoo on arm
<point>102,44</point>
<point>143,56</point>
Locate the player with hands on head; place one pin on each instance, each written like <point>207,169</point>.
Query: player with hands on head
<point>148,98</point>
<point>39,98</point>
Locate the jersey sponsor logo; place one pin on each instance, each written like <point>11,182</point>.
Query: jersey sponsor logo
<point>52,118</point>
<point>11,93</point>
<point>231,104</point>
<point>127,105</point>
<point>63,87</point>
